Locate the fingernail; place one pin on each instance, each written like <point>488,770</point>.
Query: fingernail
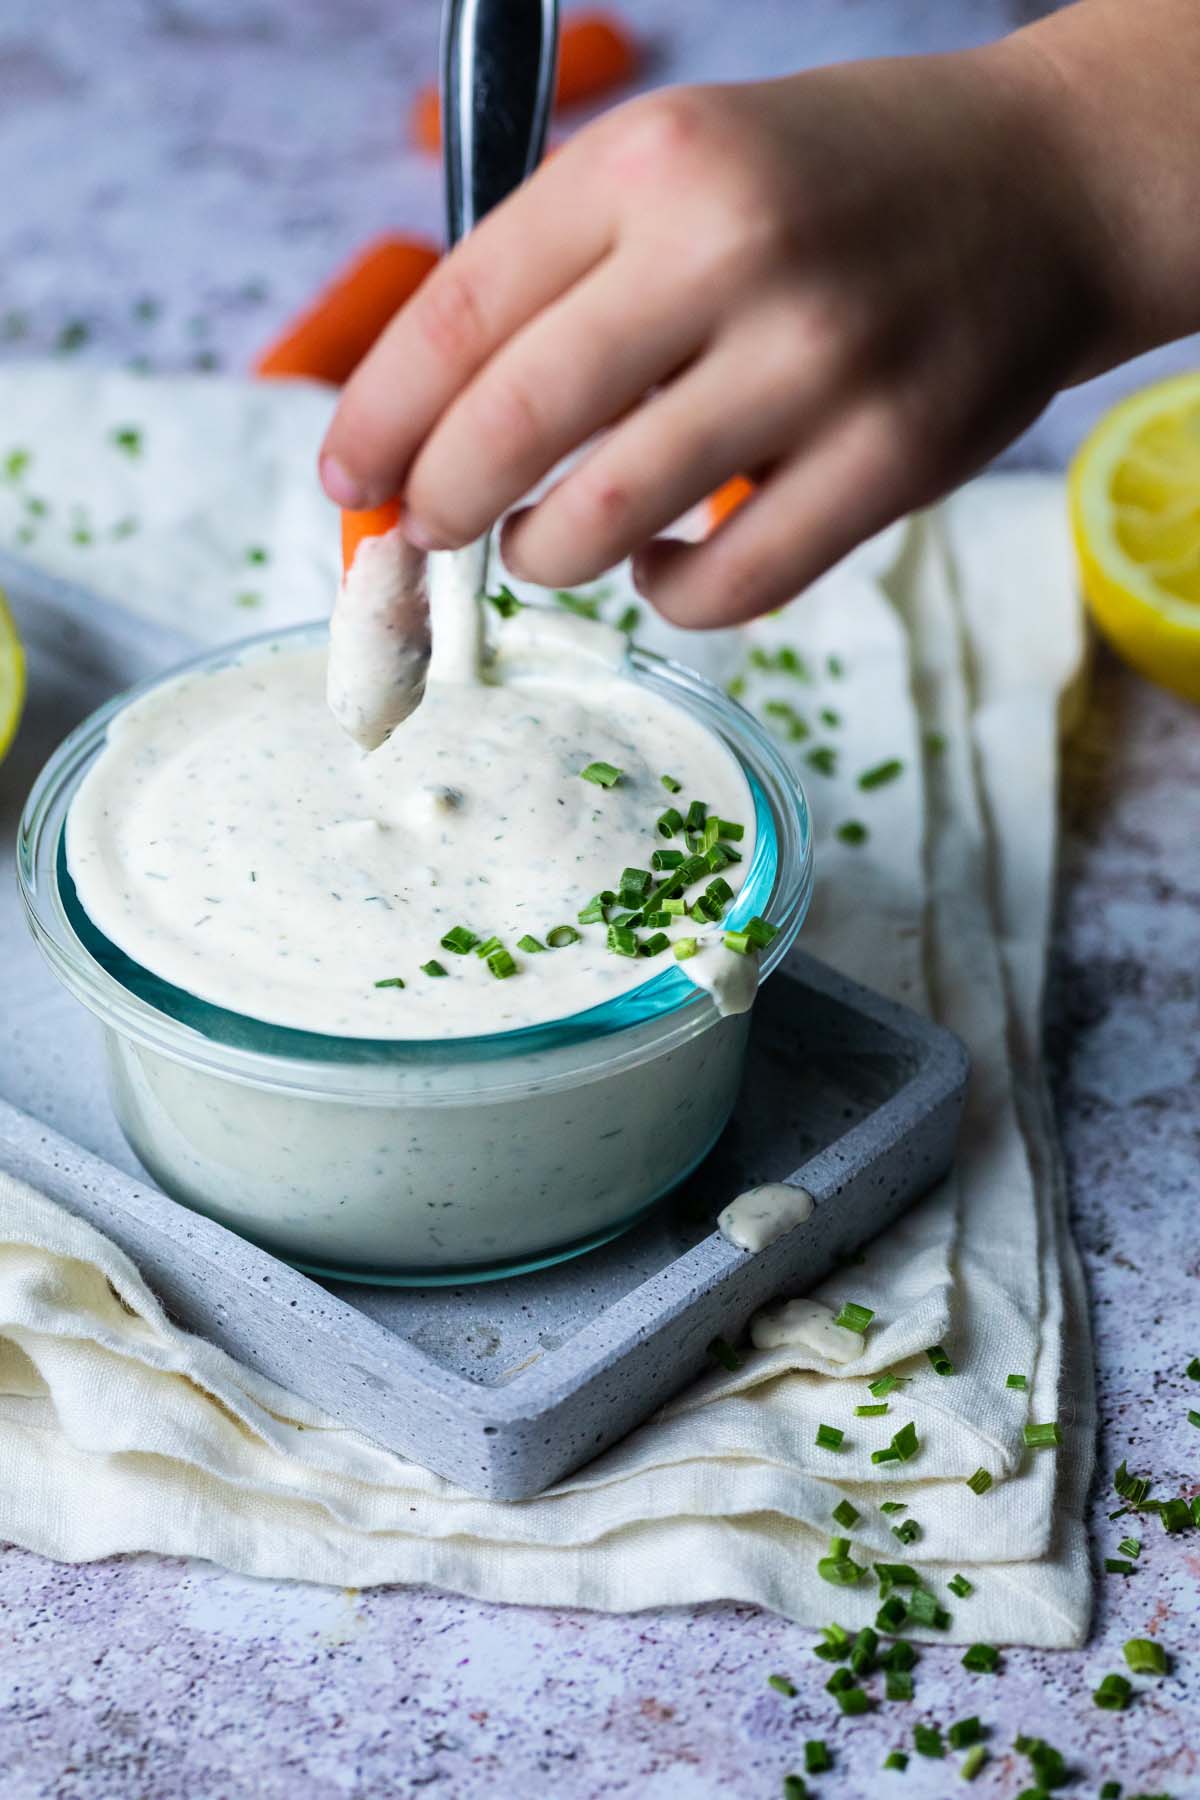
<point>509,534</point>
<point>340,485</point>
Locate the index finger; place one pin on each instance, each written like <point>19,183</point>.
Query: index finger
<point>518,260</point>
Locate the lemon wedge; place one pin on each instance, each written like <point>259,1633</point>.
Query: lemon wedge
<point>1135,514</point>
<point>12,678</point>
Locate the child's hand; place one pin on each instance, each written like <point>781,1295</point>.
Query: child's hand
<point>855,285</point>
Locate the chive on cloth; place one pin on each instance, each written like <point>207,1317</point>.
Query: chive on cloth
<point>921,698</point>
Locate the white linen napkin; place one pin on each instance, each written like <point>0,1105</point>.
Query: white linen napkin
<point>947,645</point>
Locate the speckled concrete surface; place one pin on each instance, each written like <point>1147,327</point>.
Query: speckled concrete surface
<point>214,160</point>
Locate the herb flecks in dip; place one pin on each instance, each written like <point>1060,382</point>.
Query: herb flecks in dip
<point>236,842</point>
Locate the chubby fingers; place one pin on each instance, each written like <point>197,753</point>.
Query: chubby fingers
<point>812,510</point>
<point>515,262</point>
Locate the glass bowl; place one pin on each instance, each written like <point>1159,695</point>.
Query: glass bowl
<point>420,1162</point>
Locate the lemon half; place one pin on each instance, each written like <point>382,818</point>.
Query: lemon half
<point>1135,513</point>
<point>12,678</point>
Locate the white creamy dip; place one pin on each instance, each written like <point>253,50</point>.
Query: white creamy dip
<point>808,1324</point>
<point>379,639</point>
<point>762,1214</point>
<point>235,841</point>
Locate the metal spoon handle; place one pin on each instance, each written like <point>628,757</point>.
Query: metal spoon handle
<point>498,67</point>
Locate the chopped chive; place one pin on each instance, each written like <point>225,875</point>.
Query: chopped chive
<point>127,438</point>
<point>1130,1546</point>
<point>656,920</point>
<point>959,1585</point>
<point>654,946</point>
<point>1174,1515</point>
<point>669,782</point>
<point>705,912</point>
<point>892,1506</point>
<point>622,941</point>
<point>1020,1382</point>
<point>391,981</point>
<point>685,948</point>
<point>836,1645</point>
<point>816,1756</point>
<point>896,1575</point>
<point>505,602</point>
<point>854,1317</point>
<point>823,759</point>
<point>830,718</point>
<point>582,605</point>
<point>489,946</point>
<point>459,939</point>
<point>720,892</point>
<point>892,1614</point>
<point>502,964</point>
<point>852,831</point>
<point>727,829</point>
<point>908,1532</point>
<point>906,1443</point>
<point>829,1437</point>
<point>736,688</point>
<point>257,555</point>
<point>972,1762</point>
<point>669,823</point>
<point>602,773</point>
<point>890,1455</point>
<point>924,1608</point>
<point>846,1515</point>
<point>1114,1693</point>
<point>853,1701</point>
<point>1115,1565</point>
<point>927,1741</point>
<point>782,1685</point>
<point>941,1362</point>
<point>1146,1657</point>
<point>637,881</point>
<point>1132,1488</point>
<point>674,909</point>
<point>739,942</point>
<point>884,1384</point>
<point>761,934</point>
<point>1111,1791</point>
<point>722,1351</point>
<point>881,774</point>
<point>900,1655</point>
<point>1043,1437</point>
<point>863,1651</point>
<point>981,1659</point>
<point>840,1571</point>
<point>1048,1763</point>
<point>531,945</point>
<point>841,1678</point>
<point>896,1759</point>
<point>870,1412</point>
<point>719,856</point>
<point>836,667</point>
<point>593,913</point>
<point>1194,1418</point>
<point>979,1482</point>
<point>1193,1369</point>
<point>432,968</point>
<point>559,936</point>
<point>898,1684</point>
<point>627,622</point>
<point>697,812</point>
<point>964,1733</point>
<point>711,831</point>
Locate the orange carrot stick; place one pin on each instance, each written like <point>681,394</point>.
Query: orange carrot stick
<point>725,502</point>
<point>595,54</point>
<point>372,523</point>
<point>330,338</point>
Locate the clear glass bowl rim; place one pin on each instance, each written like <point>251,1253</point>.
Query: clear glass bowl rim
<point>560,1052</point>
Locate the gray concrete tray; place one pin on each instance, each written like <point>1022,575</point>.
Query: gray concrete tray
<point>505,1386</point>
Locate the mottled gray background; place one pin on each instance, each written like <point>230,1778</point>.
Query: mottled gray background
<point>175,179</point>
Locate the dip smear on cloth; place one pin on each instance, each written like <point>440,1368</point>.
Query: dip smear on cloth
<point>233,840</point>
